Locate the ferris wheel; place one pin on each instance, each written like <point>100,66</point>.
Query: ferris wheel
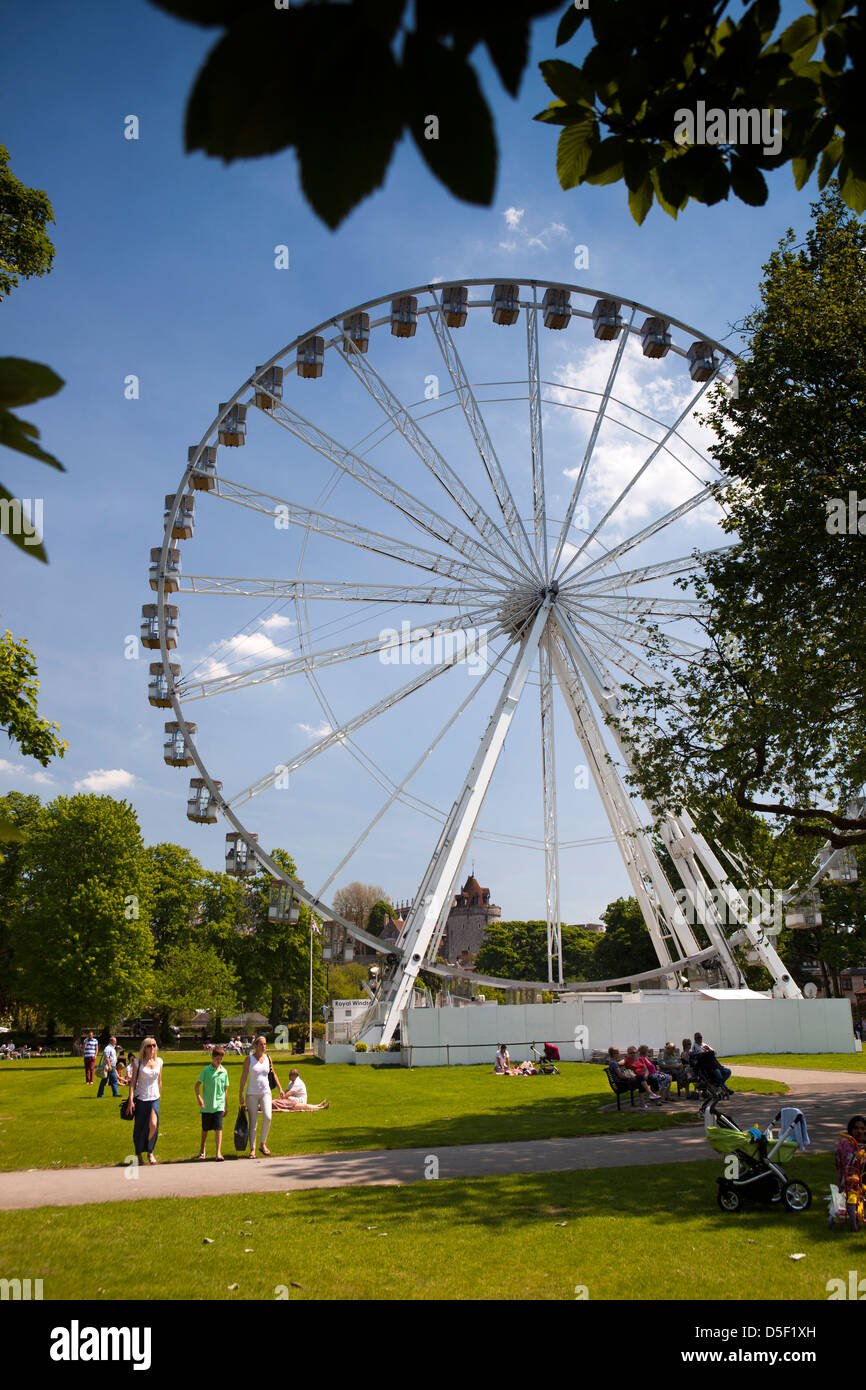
<point>492,466</point>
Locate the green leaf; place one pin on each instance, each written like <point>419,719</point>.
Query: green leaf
<point>508,47</point>
<point>802,169</point>
<point>748,182</point>
<point>803,33</point>
<point>829,159</point>
<point>641,200</point>
<point>606,161</point>
<point>573,152</point>
<point>567,82</point>
<point>22,382</point>
<point>569,25</point>
<point>853,188</point>
<point>670,208</point>
<point>21,436</point>
<point>464,155</point>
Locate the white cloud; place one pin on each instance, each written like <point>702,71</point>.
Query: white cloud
<point>105,780</point>
<point>627,437</point>
<point>40,776</point>
<point>527,240</point>
<point>315,731</point>
<point>277,620</point>
<point>244,649</point>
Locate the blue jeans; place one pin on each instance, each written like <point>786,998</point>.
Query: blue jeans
<point>142,1140</point>
<point>111,1078</point>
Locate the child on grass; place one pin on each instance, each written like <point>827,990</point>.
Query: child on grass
<point>214,1081</point>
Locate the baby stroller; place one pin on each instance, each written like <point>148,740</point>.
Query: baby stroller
<point>545,1062</point>
<point>760,1155</point>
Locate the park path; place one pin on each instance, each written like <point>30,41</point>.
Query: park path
<point>828,1099</point>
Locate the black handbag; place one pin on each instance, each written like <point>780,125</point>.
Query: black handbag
<point>242,1129</point>
<point>126,1111</point>
<point>272,1080</point>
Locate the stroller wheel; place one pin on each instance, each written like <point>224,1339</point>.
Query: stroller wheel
<point>796,1196</point>
<point>853,1223</point>
<point>729,1199</point>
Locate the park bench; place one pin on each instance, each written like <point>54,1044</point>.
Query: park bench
<point>622,1088</point>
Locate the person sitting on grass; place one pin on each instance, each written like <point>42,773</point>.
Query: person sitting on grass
<point>214,1081</point>
<point>295,1098</point>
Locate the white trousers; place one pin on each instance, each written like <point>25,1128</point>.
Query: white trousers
<point>254,1105</point>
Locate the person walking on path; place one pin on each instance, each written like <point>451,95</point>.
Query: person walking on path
<point>91,1048</point>
<point>109,1073</point>
<point>255,1076</point>
<point>214,1081</point>
<point>145,1089</point>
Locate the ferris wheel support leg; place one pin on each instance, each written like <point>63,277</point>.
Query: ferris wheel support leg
<point>437,886</point>
<point>590,741</point>
<point>684,941</point>
<point>551,830</point>
<point>754,929</point>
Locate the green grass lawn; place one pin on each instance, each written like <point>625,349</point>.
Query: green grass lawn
<point>621,1233</point>
<point>808,1061</point>
<point>48,1117</point>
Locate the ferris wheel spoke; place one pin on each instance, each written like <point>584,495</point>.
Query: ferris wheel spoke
<point>605,645</point>
<point>389,640</point>
<point>399,788</point>
<point>590,447</point>
<point>373,711</point>
<point>656,606</point>
<point>292,514</point>
<point>620,579</point>
<point>483,443</point>
<point>335,592</point>
<point>536,440</point>
<point>610,556</point>
<point>430,456</point>
<point>612,509</point>
<point>636,633</point>
<point>422,516</point>
<point>551,826</point>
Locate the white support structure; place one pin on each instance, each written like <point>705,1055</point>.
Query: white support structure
<point>437,885</point>
<point>551,827</point>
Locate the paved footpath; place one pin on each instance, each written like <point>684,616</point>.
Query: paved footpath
<point>828,1099</point>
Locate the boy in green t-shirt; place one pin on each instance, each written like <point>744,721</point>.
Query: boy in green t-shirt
<point>214,1080</point>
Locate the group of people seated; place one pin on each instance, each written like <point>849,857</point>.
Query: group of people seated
<point>695,1063</point>
<point>503,1065</point>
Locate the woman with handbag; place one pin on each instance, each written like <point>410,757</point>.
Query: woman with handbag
<point>259,1079</point>
<point>145,1089</point>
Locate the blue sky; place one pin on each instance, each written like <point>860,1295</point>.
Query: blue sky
<point>165,270</point>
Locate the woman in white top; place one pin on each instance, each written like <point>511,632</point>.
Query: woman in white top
<point>254,1076</point>
<point>145,1089</point>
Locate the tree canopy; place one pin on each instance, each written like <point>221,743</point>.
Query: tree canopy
<point>19,715</point>
<point>261,89</point>
<point>773,718</point>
